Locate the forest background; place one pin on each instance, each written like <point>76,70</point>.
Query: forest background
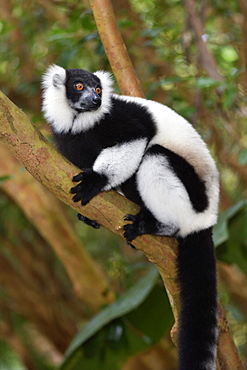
<point>191,56</point>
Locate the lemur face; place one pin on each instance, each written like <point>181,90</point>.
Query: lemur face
<point>83,90</point>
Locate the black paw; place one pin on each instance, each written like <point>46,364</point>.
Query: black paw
<point>131,231</point>
<point>130,218</point>
<point>88,222</point>
<point>91,183</point>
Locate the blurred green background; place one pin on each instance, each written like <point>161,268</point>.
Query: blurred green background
<point>189,55</point>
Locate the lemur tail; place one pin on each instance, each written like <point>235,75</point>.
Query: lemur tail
<point>197,336</point>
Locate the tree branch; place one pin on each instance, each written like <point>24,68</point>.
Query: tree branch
<point>115,48</point>
<point>207,59</point>
<point>243,46</point>
<point>162,255</point>
<point>46,213</point>
<point>109,208</point>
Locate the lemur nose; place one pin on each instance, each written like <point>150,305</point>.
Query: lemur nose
<point>96,99</point>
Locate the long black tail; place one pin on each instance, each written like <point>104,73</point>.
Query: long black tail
<point>197,336</point>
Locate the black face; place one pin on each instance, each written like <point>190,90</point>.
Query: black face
<point>83,90</point>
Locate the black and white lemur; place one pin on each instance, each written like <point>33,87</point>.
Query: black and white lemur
<point>155,158</point>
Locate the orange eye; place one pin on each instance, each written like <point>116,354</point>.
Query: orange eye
<point>79,86</point>
<point>98,90</point>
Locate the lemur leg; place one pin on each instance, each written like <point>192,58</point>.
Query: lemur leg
<point>145,223</point>
<point>88,221</point>
<point>163,194</point>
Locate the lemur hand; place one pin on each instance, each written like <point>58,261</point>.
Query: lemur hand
<point>90,184</point>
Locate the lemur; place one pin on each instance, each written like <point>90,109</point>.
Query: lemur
<point>154,157</point>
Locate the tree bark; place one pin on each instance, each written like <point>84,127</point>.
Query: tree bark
<point>163,256</point>
<point>207,60</point>
<point>115,49</point>
<point>47,214</point>
<point>108,208</point>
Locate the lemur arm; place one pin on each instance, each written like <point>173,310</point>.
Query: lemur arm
<point>112,167</point>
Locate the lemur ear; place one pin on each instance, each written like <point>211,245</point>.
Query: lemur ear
<point>54,76</point>
<point>57,80</point>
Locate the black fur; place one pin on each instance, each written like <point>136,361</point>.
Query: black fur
<point>198,288</point>
<point>87,98</point>
<point>145,223</point>
<point>90,185</point>
<point>129,189</point>
<point>74,76</point>
<point>126,122</point>
<point>88,222</point>
<point>195,187</point>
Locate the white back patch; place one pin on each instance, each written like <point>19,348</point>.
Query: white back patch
<point>166,197</point>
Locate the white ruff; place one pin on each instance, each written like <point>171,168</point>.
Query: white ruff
<point>57,110</point>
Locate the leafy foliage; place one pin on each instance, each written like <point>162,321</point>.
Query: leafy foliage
<point>231,236</point>
<point>167,57</point>
<point>122,329</point>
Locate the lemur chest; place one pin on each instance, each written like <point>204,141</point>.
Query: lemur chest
<point>81,150</point>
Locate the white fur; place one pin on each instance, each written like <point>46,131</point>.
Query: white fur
<point>53,70</point>
<point>210,365</point>
<point>166,197</point>
<point>55,104</point>
<point>120,162</point>
<point>163,192</point>
<point>178,135</point>
<point>56,107</point>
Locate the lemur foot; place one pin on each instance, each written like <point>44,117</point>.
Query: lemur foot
<point>131,231</point>
<point>145,223</point>
<point>88,222</point>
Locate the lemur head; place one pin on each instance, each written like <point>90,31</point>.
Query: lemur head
<point>83,90</point>
<point>74,100</point>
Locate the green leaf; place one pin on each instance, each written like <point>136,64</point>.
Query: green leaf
<point>229,96</point>
<point>221,231</point>
<point>108,349</point>
<point>154,316</point>
<point>110,346</point>
<point>4,178</point>
<point>125,304</point>
<point>229,54</point>
<point>9,359</point>
<point>207,82</point>
<point>243,157</point>
<point>232,236</point>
